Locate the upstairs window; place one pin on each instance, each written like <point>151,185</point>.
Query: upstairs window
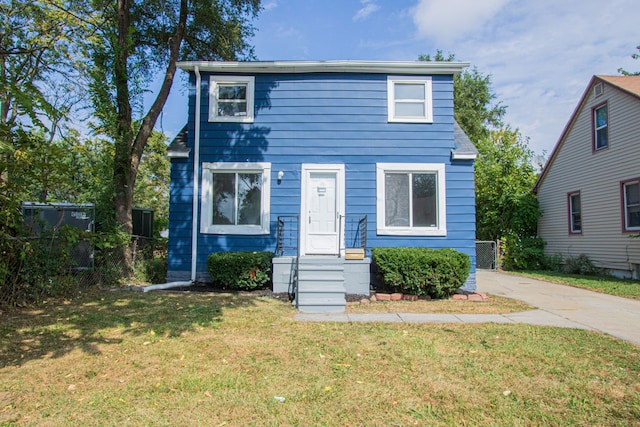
<point>600,127</point>
<point>631,205</point>
<point>575,213</point>
<point>409,99</point>
<point>231,99</point>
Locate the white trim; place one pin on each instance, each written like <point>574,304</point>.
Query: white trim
<point>178,154</point>
<point>214,82</point>
<point>439,169</point>
<point>379,67</point>
<point>196,179</point>
<point>462,156</point>
<point>427,102</point>
<point>340,196</point>
<point>208,169</point>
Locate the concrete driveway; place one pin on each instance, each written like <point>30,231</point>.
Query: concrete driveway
<point>560,305</point>
<point>556,305</point>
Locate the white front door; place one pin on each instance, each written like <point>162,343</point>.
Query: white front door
<point>322,204</point>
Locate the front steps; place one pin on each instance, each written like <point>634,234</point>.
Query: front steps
<point>321,285</point>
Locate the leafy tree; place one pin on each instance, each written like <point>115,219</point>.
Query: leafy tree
<point>135,40</point>
<point>152,185</point>
<point>631,73</point>
<point>474,103</point>
<point>505,203</point>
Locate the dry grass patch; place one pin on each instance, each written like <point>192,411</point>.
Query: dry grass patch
<point>126,358</point>
<point>494,305</point>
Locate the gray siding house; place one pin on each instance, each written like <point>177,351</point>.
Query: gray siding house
<point>589,190</point>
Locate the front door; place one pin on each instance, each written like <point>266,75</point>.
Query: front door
<point>322,204</point>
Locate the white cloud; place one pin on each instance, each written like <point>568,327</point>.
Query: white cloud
<point>540,54</point>
<point>368,7</point>
<point>449,20</point>
<point>270,6</point>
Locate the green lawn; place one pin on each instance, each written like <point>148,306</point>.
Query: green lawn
<point>135,359</point>
<point>608,285</point>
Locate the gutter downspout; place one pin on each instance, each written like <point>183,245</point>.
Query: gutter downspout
<point>196,182</point>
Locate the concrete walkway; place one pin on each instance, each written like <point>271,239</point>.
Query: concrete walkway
<point>557,305</point>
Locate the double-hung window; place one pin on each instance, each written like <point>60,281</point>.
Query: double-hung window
<point>575,215</point>
<point>235,198</point>
<point>631,204</point>
<point>411,199</point>
<point>409,99</point>
<point>600,127</point>
<point>231,98</point>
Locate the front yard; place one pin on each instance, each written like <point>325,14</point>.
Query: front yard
<point>128,358</point>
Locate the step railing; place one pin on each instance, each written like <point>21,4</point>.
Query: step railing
<point>355,232</point>
<point>288,241</point>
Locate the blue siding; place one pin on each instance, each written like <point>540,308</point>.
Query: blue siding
<point>323,118</point>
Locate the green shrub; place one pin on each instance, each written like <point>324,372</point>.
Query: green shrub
<point>580,265</point>
<point>153,270</point>
<point>523,253</point>
<point>240,270</point>
<point>437,273</point>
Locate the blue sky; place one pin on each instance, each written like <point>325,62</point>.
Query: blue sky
<point>540,53</point>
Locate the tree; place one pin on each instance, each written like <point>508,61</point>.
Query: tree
<point>139,38</point>
<point>37,85</point>
<point>152,185</point>
<point>631,73</point>
<point>473,100</point>
<point>505,203</point>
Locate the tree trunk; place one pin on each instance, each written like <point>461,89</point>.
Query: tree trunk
<point>129,147</point>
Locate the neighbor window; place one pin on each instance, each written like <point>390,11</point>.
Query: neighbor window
<point>575,215</point>
<point>411,199</point>
<point>231,99</point>
<point>631,205</point>
<point>600,127</point>
<point>235,198</point>
<point>409,99</point>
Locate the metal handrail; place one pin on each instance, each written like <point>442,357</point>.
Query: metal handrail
<point>285,241</point>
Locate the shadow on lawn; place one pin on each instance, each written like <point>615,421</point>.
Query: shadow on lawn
<point>103,319</point>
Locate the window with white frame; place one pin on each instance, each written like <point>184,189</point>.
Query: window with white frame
<point>600,127</point>
<point>411,199</point>
<point>231,98</point>
<point>235,198</point>
<point>631,204</point>
<point>575,214</point>
<point>409,99</point>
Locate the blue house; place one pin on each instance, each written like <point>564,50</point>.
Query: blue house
<point>319,162</point>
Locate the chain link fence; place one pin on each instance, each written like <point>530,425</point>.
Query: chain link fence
<point>35,268</point>
<point>486,255</point>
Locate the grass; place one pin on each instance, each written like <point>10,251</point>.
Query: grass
<point>494,305</point>
<point>128,358</point>
<point>626,288</point>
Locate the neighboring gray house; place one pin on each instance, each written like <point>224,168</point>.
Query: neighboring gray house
<point>589,190</point>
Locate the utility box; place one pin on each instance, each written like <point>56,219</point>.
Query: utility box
<point>39,216</point>
<point>142,221</point>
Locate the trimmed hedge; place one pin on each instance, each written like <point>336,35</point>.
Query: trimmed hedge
<point>437,273</point>
<point>240,270</point>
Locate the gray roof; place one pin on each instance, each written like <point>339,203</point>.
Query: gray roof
<point>463,145</point>
<point>178,147</point>
<point>464,148</point>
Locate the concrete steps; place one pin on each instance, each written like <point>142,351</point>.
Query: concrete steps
<point>321,285</point>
